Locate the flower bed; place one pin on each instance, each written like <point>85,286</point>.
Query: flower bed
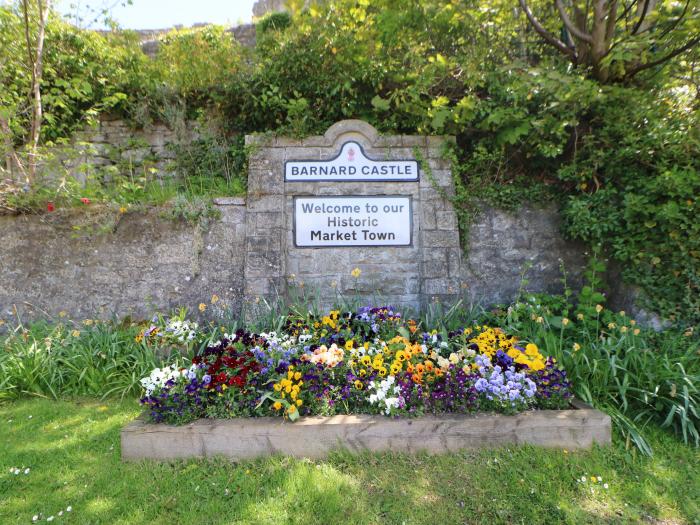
<point>372,361</point>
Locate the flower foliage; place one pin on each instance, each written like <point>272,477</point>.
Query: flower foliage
<point>371,361</point>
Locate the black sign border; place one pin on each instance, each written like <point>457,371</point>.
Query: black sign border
<point>417,179</point>
<point>373,196</point>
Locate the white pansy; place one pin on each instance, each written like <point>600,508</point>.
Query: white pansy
<point>383,389</point>
<point>159,377</point>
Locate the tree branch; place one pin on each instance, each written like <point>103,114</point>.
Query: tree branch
<point>688,45</point>
<point>546,35</point>
<point>12,161</point>
<point>30,54</point>
<point>578,33</point>
<point>626,10</point>
<point>643,15</point>
<point>610,29</point>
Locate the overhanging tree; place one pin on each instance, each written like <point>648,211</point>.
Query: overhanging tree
<point>615,39</point>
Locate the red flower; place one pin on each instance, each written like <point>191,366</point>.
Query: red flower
<point>85,200</point>
<point>236,381</point>
<point>50,206</point>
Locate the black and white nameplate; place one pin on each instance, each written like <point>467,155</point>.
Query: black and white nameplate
<point>355,220</point>
<point>351,164</point>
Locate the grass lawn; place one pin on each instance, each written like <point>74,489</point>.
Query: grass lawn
<point>72,451</point>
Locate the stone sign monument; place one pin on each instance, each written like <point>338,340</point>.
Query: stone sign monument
<point>322,206</point>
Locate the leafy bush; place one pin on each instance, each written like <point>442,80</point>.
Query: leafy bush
<point>212,161</point>
<point>85,73</point>
<point>274,22</point>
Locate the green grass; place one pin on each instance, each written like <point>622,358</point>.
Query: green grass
<point>72,449</point>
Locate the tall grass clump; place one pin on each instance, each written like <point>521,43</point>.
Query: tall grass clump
<point>62,360</point>
<point>636,375</point>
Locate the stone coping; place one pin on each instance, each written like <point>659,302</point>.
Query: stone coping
<point>344,128</point>
<point>314,437</point>
<point>229,201</point>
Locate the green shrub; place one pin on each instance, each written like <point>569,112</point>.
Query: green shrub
<point>274,22</point>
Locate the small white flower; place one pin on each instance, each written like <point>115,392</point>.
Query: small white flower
<point>35,517</point>
<point>69,508</point>
<point>30,417</point>
<point>600,479</point>
<point>60,513</point>
<point>26,471</point>
<point>50,518</point>
<point>605,485</point>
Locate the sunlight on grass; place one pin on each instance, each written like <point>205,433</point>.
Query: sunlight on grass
<point>502,485</point>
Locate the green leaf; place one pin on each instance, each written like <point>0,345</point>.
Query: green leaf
<point>381,103</point>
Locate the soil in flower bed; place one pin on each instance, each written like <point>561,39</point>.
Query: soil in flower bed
<point>372,361</point>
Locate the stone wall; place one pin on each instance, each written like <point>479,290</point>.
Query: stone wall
<point>148,263</point>
<point>264,7</point>
<point>145,263</point>
<point>114,143</point>
<point>503,247</point>
<point>113,265</point>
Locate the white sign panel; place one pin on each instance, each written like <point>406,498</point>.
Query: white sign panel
<point>352,221</point>
<point>351,164</point>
